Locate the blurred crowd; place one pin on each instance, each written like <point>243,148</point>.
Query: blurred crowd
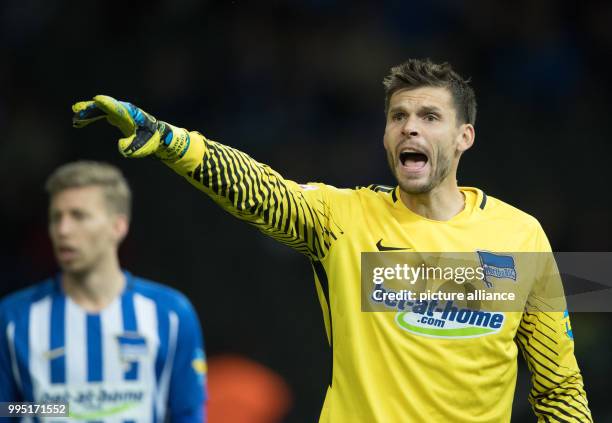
<point>298,85</point>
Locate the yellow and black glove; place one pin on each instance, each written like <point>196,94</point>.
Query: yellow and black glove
<point>144,135</point>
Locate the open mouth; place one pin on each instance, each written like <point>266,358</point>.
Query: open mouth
<point>66,253</point>
<point>412,160</point>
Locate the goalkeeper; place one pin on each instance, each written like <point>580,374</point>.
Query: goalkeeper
<point>382,372</point>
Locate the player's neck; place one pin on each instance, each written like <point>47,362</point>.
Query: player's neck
<point>441,203</point>
<point>97,288</point>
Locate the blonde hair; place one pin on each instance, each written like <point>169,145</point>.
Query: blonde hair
<point>85,173</point>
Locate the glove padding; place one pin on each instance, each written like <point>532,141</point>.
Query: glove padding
<point>144,135</point>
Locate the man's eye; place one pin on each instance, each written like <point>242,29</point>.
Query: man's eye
<point>398,116</point>
<point>430,117</point>
<point>78,215</point>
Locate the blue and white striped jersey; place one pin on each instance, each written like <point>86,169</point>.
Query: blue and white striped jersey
<point>141,359</point>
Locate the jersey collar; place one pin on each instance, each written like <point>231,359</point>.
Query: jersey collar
<point>475,202</point>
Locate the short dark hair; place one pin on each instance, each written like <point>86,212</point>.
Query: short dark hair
<point>89,173</point>
<point>416,73</point>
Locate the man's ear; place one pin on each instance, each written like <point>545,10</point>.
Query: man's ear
<point>466,137</point>
<point>121,226</point>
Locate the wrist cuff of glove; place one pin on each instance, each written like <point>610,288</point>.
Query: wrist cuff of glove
<point>174,142</point>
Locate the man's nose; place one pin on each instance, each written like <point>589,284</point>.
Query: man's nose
<point>410,128</point>
<point>63,226</point>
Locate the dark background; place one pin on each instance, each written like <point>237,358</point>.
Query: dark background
<point>297,84</point>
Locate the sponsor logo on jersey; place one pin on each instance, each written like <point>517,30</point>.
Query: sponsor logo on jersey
<point>444,320</point>
<point>306,187</point>
<point>430,320</point>
<point>497,266</point>
<point>96,401</point>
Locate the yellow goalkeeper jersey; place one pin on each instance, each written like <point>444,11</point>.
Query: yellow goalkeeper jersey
<point>381,371</point>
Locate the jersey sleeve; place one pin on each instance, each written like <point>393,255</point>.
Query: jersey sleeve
<point>187,394</point>
<point>547,344</point>
<point>8,387</point>
<point>304,217</point>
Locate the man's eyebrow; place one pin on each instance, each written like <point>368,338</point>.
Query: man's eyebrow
<point>422,110</point>
<point>396,109</point>
<point>430,109</point>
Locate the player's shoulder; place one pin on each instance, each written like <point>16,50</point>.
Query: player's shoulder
<point>493,207</point>
<point>360,189</point>
<point>164,296</point>
<point>368,196</point>
<point>377,191</point>
<point>347,195</point>
<point>20,301</point>
<point>377,195</point>
<point>375,188</point>
<point>372,190</point>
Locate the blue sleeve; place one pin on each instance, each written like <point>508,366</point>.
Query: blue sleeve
<point>8,386</point>
<point>195,415</point>
<point>188,380</point>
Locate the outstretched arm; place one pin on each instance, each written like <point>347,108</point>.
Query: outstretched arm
<point>303,217</point>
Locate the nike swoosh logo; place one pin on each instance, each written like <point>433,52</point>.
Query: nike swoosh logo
<point>384,248</point>
<point>54,353</point>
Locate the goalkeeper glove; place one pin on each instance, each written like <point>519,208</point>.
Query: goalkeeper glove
<point>144,135</point>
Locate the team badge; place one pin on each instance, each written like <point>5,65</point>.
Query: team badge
<point>132,346</point>
<point>496,266</point>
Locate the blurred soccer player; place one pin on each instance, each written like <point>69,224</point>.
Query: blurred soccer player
<point>114,346</point>
<point>383,372</point>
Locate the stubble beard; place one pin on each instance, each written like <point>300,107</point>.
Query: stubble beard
<point>442,169</point>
